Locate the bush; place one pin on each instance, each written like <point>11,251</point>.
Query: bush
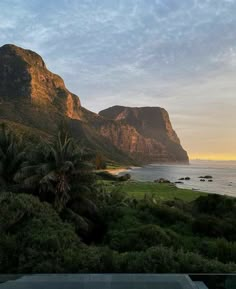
<point>214,227</point>
<point>90,260</point>
<point>215,205</point>
<point>221,249</point>
<point>138,239</point>
<point>154,260</point>
<point>36,234</point>
<point>164,213</point>
<point>166,260</point>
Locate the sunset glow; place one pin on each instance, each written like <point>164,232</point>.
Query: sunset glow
<point>219,157</point>
<point>180,55</point>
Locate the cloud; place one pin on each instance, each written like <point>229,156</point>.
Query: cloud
<point>177,54</point>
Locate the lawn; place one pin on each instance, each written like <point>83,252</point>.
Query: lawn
<point>160,191</point>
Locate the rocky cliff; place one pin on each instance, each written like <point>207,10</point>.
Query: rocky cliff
<point>33,96</point>
<point>26,79</point>
<point>148,135</point>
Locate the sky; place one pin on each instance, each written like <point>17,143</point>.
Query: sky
<point>177,54</point>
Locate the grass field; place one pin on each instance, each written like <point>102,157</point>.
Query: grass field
<point>159,191</point>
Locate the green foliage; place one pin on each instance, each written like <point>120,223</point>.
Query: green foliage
<point>91,260</point>
<point>73,220</point>
<point>221,249</point>
<point>217,205</point>
<point>166,260</point>
<point>207,225</point>
<point>80,223</point>
<point>164,213</point>
<point>56,169</point>
<point>138,239</point>
<point>161,192</point>
<point>37,238</point>
<point>12,155</point>
<point>33,237</point>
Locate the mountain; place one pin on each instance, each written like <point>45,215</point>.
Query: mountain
<point>32,97</point>
<point>27,83</point>
<point>151,139</point>
<point>33,100</point>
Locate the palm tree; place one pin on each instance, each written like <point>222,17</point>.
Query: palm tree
<point>54,169</point>
<point>12,155</point>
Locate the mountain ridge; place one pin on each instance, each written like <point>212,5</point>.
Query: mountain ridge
<point>32,95</point>
<point>24,75</point>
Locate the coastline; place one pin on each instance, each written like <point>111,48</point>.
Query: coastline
<point>222,173</point>
<point>222,182</point>
<point>115,172</point>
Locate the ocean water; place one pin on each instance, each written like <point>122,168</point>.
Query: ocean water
<point>223,173</point>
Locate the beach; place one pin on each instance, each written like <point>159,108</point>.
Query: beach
<point>117,171</point>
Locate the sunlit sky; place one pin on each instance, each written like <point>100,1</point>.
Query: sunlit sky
<point>177,54</point>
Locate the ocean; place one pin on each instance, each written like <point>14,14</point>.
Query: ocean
<point>223,173</point>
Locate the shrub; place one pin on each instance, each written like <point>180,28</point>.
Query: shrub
<point>138,239</point>
<point>165,214</point>
<point>36,232</point>
<point>215,205</point>
<point>90,260</point>
<point>166,260</point>
<point>221,249</point>
<point>214,227</point>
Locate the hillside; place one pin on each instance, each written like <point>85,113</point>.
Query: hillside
<point>32,96</point>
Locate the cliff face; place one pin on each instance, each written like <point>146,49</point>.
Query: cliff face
<point>151,122</point>
<point>148,135</point>
<point>34,99</point>
<point>25,79</point>
<point>141,149</point>
<point>33,96</point>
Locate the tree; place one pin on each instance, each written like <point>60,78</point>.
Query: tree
<point>12,155</point>
<point>53,169</point>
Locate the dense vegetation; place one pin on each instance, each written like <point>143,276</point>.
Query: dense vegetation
<point>58,215</point>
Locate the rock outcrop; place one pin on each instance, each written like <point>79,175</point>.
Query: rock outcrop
<point>26,79</point>
<point>33,96</point>
<point>148,135</point>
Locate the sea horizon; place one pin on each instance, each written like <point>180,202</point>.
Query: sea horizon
<point>222,173</point>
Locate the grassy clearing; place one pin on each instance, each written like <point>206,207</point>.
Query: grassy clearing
<point>160,191</point>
